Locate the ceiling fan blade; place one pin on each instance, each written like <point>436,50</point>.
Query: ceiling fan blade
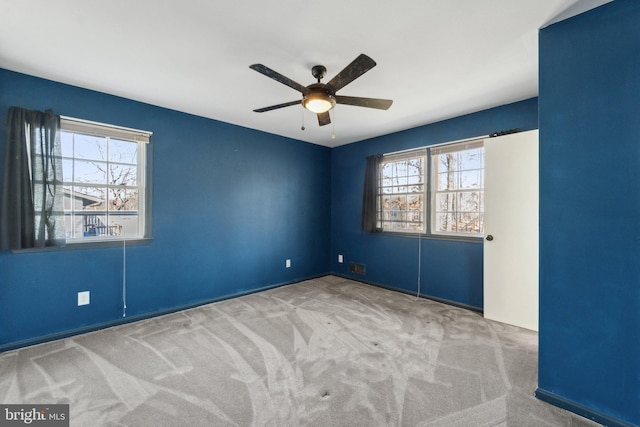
<point>262,69</point>
<point>324,118</point>
<point>358,67</point>
<point>380,104</point>
<point>275,107</point>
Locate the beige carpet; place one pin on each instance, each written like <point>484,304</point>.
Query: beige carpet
<point>325,352</point>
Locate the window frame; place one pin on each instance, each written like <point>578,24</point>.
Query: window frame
<point>143,178</point>
<point>429,193</point>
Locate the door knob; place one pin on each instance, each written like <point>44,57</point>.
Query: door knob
<point>489,237</point>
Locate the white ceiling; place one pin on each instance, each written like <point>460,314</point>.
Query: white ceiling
<point>436,58</point>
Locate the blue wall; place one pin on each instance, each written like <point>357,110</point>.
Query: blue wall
<point>589,354</point>
<point>229,206</point>
<point>450,270</point>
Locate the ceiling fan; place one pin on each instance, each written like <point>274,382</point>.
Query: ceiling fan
<point>319,97</point>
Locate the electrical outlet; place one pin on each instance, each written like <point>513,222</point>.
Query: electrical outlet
<point>83,298</point>
<point>340,259</point>
<point>287,263</point>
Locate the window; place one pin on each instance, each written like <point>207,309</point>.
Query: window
<point>104,181</point>
<point>445,181</point>
<point>457,188</point>
<point>401,205</point>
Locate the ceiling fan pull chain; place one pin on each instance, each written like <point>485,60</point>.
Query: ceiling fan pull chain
<point>302,112</point>
<point>333,123</point>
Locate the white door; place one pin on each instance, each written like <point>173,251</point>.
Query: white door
<point>511,229</point>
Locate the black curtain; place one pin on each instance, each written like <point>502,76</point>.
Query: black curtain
<point>370,195</point>
<point>31,206</point>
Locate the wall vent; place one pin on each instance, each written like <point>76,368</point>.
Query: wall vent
<point>356,268</point>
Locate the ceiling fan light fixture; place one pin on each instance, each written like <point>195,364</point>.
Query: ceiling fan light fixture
<point>319,102</point>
